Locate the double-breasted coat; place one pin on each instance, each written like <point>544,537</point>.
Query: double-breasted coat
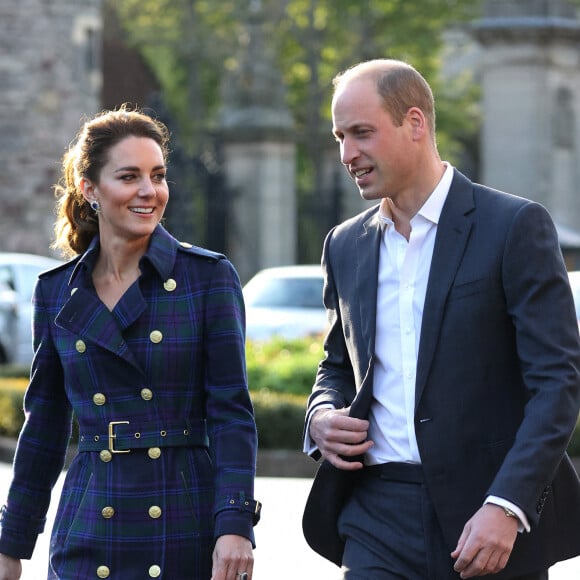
<point>167,438</point>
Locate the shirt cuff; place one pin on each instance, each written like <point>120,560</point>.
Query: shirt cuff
<point>524,524</point>
<point>309,447</point>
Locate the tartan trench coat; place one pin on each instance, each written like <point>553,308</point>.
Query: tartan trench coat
<point>167,442</point>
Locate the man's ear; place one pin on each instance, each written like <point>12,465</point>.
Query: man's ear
<point>418,122</point>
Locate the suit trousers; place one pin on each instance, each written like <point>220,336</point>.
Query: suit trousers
<point>391,530</point>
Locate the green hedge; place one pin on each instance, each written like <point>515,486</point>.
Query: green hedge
<point>280,377</point>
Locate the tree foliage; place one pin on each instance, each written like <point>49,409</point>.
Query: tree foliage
<point>192,46</point>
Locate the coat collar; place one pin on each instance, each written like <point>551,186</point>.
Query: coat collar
<point>161,255</point>
<point>87,317</point>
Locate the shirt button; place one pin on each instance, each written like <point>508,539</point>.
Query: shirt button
<point>156,336</point>
<point>154,452</point>
<point>99,399</point>
<point>105,455</point>
<point>146,394</point>
<point>108,512</point>
<point>80,346</point>
<point>170,285</point>
<point>155,571</point>
<point>103,572</point>
<point>155,512</point>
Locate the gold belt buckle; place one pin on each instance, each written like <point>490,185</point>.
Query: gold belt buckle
<point>113,436</point>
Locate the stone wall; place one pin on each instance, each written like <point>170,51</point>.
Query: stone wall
<point>50,77</point>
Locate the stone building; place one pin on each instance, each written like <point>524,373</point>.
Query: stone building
<point>50,74</point>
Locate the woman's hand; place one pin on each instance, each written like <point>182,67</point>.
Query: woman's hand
<point>10,568</point>
<point>232,556</point>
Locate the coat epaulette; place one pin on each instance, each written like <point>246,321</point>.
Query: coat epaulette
<point>58,268</point>
<point>190,248</point>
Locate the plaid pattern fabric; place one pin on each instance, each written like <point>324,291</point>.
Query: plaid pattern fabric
<point>171,351</point>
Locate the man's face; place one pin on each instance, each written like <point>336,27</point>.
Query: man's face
<point>377,154</point>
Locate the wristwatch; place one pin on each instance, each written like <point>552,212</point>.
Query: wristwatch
<point>509,513</point>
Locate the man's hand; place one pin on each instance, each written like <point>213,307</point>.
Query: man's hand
<point>336,434</point>
<point>486,542</point>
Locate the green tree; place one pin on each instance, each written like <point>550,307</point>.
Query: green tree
<point>191,44</point>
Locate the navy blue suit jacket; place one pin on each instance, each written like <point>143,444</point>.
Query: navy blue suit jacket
<point>498,384</point>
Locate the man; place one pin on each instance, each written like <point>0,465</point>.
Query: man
<point>450,383</point>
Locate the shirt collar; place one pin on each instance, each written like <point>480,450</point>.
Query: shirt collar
<point>433,206</point>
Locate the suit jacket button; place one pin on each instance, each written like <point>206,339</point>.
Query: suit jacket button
<point>146,394</point>
<point>80,346</point>
<point>155,571</point>
<point>105,455</point>
<point>103,572</point>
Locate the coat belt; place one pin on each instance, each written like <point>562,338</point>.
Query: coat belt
<point>122,436</point>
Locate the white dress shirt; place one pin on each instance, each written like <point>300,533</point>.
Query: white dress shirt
<point>403,274</point>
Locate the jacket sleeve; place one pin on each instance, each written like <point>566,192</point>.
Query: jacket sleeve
<point>41,449</point>
<point>232,429</point>
<point>539,301</point>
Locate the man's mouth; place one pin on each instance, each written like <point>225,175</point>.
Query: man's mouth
<point>361,172</point>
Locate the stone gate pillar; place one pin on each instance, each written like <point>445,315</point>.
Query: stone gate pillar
<point>530,78</point>
<point>259,158</point>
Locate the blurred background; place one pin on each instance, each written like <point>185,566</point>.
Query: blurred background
<point>245,86</point>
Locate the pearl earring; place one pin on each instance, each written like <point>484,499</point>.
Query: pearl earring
<point>95,206</point>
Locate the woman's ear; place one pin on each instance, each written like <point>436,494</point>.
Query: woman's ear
<point>87,189</point>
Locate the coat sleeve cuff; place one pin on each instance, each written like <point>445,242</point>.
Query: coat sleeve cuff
<point>18,534</point>
<point>235,522</point>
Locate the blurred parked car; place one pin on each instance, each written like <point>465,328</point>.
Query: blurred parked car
<point>285,301</point>
<point>18,274</point>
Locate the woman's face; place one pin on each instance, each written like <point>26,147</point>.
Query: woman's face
<point>132,190</point>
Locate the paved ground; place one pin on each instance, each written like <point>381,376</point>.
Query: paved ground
<point>282,553</point>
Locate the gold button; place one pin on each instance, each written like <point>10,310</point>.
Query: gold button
<point>146,394</point>
<point>73,291</point>
<point>185,245</point>
<point>155,512</point>
<point>155,571</point>
<point>80,346</point>
<point>105,456</point>
<point>108,512</point>
<point>170,285</point>
<point>156,336</point>
<point>103,572</point>
<point>99,399</point>
<point>154,452</point>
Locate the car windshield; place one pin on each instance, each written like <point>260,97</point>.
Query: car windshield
<point>284,292</point>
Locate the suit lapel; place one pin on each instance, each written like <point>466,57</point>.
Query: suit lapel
<point>367,259</point>
<point>452,234</point>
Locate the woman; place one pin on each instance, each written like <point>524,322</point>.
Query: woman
<point>143,338</point>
